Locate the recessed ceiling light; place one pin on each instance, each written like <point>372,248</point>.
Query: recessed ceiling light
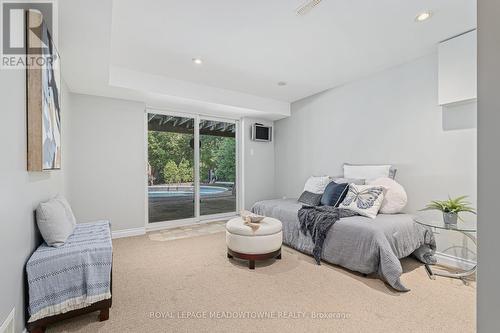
<point>423,16</point>
<point>197,61</point>
<point>282,83</point>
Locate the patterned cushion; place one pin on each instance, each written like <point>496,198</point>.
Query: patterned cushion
<point>364,199</point>
<point>310,199</point>
<point>317,184</point>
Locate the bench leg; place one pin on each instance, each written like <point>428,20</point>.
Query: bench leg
<point>37,329</point>
<point>104,314</point>
<point>251,264</point>
<point>278,256</point>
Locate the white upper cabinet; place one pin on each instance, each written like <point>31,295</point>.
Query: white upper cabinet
<point>458,69</point>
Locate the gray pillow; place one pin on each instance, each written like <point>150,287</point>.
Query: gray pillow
<point>310,199</point>
<point>53,222</point>
<point>67,208</point>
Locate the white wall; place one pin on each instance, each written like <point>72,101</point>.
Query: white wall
<point>392,117</point>
<point>258,165</point>
<point>20,192</point>
<point>106,161</point>
<point>105,177</point>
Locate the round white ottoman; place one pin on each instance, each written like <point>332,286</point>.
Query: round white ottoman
<point>245,243</point>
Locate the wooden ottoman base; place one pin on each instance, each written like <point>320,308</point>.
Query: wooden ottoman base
<point>253,257</point>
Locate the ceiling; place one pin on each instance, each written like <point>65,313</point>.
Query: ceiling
<point>143,50</point>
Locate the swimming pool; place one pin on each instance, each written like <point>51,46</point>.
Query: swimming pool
<point>183,191</point>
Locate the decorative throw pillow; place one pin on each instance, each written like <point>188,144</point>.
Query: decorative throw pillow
<point>395,198</point>
<point>334,194</point>
<point>317,184</point>
<point>67,208</point>
<point>369,171</point>
<point>364,199</point>
<point>53,222</point>
<point>310,199</point>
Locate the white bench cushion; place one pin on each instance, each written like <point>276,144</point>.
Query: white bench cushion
<point>254,245</point>
<point>267,226</point>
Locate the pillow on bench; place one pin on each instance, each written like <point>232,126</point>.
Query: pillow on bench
<point>55,221</point>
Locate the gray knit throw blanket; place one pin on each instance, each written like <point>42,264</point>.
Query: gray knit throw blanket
<point>317,221</point>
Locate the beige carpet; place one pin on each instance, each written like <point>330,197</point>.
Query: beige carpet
<point>189,277</point>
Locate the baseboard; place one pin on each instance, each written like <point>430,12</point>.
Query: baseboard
<point>184,223</point>
<point>455,262</point>
<point>8,325</point>
<point>128,232</point>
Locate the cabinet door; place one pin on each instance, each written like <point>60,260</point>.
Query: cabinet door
<point>458,69</point>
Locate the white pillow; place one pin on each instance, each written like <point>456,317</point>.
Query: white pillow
<point>395,198</point>
<point>317,184</point>
<point>364,199</point>
<point>368,172</point>
<point>69,212</point>
<point>342,180</point>
<point>53,222</point>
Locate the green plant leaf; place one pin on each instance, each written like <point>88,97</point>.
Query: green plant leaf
<point>452,205</point>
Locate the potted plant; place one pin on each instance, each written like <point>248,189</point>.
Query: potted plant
<point>451,208</point>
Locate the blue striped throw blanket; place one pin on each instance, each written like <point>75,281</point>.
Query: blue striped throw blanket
<point>73,276</point>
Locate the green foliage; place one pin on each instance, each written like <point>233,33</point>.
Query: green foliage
<point>456,205</point>
<point>171,172</point>
<point>178,173</point>
<point>185,171</point>
<point>226,157</point>
<point>171,157</point>
<point>208,161</point>
<point>219,155</point>
<point>164,147</point>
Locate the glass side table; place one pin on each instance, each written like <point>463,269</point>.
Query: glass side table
<point>467,226</point>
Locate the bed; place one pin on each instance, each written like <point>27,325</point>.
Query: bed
<point>359,243</point>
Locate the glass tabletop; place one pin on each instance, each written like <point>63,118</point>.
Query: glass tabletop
<point>466,221</point>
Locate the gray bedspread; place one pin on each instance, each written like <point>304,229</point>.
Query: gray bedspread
<point>72,276</point>
<point>359,243</point>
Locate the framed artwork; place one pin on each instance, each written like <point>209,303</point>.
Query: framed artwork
<point>43,78</point>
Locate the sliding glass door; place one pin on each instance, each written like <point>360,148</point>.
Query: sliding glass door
<point>217,167</point>
<point>171,190</point>
<point>192,167</point>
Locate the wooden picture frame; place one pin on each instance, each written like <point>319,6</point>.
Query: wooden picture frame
<point>43,105</point>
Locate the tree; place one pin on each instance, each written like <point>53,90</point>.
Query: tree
<point>167,146</point>
<point>226,160</point>
<point>171,172</point>
<point>208,160</point>
<point>171,157</point>
<point>185,171</point>
<point>156,155</point>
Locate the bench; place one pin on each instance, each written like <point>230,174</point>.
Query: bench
<point>71,280</point>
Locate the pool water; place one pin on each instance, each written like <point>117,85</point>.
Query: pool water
<point>184,191</point>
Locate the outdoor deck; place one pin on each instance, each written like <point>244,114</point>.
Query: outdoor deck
<point>182,207</point>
